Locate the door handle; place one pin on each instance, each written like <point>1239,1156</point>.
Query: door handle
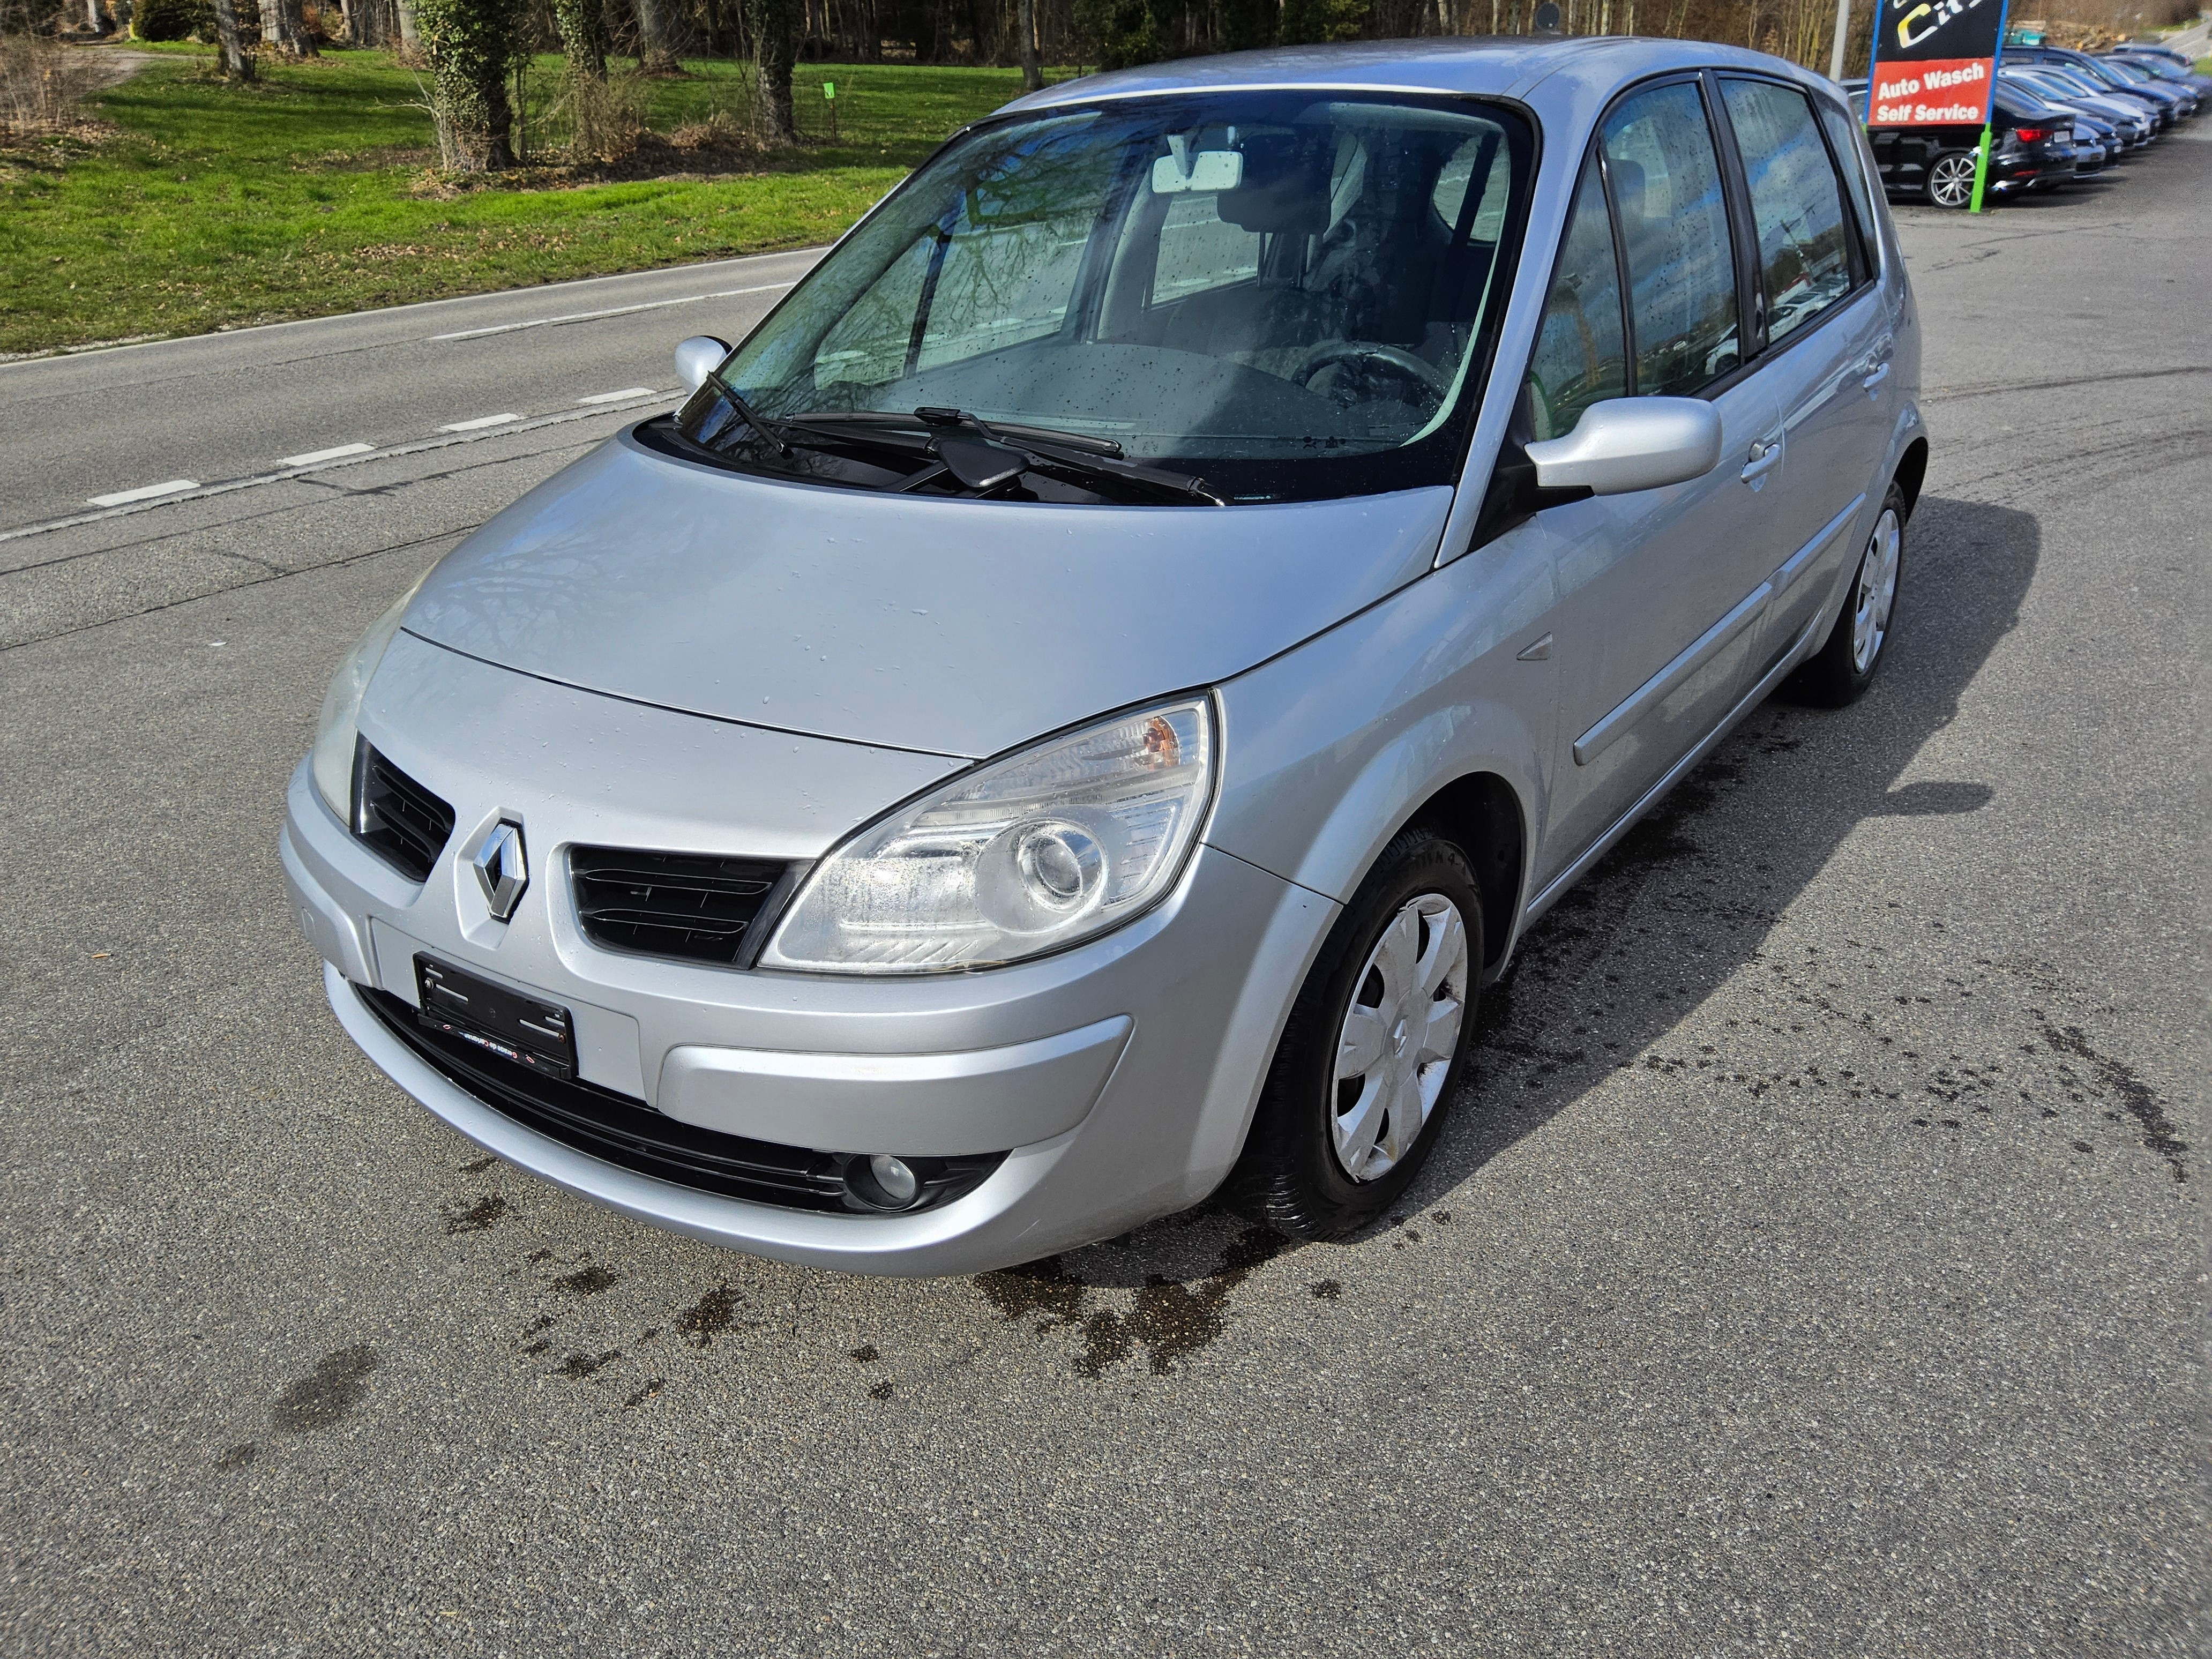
<point>1873,377</point>
<point>1763,454</point>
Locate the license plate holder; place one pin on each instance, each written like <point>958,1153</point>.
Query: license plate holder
<point>525,1030</point>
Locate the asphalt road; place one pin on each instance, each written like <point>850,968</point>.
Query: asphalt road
<point>1816,1265</point>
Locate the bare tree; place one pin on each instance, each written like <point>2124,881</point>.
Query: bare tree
<point>237,62</point>
<point>471,45</point>
<point>775,49</point>
<point>1025,25</point>
<point>656,54</point>
<point>583,24</point>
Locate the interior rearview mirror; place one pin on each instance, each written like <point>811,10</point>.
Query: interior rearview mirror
<point>1626,444</point>
<point>1205,169</point>
<point>698,358</point>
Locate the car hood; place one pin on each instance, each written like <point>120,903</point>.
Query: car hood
<point>953,627</point>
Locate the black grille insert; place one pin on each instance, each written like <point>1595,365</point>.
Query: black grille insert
<point>622,1130</point>
<point>396,817</point>
<point>691,905</point>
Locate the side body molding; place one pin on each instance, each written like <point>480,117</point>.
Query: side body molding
<point>1648,695</point>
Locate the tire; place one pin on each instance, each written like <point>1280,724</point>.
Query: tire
<point>1847,663</point>
<point>1951,179</point>
<point>1326,1155</point>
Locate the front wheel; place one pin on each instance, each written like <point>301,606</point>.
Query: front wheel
<point>1951,180</point>
<point>1375,1046</point>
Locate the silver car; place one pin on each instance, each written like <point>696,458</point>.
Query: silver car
<point>1072,711</point>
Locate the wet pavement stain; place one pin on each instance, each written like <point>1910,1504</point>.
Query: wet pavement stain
<point>881,1391</point>
<point>645,1394</point>
<point>479,1217</point>
<point>236,1457</point>
<point>1169,1319</point>
<point>338,1384</point>
<point>478,1166</point>
<point>710,1315</point>
<point>587,1281</point>
<point>866,1354</point>
<point>1327,1291</point>
<point>578,1366</point>
<point>2136,1097</point>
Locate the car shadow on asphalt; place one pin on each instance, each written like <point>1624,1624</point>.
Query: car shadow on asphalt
<point>1684,904</point>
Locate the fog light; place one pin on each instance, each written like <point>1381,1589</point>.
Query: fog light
<point>898,1183</point>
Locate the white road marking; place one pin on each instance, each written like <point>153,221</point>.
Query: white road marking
<point>624,396</point>
<point>611,311</point>
<point>314,455</point>
<point>201,492</point>
<point>480,423</point>
<point>144,493</point>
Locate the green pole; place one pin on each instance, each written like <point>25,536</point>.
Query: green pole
<point>1989,109</point>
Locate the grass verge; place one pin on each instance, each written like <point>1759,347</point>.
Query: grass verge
<point>203,206</point>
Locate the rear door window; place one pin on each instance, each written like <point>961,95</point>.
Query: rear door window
<point>1796,203</point>
<point>1666,184</point>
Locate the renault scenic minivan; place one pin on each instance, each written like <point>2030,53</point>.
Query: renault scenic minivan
<point>1072,711</point>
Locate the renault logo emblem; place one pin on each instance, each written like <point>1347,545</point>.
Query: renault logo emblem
<point>502,870</point>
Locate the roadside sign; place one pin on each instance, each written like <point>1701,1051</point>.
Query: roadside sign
<point>1935,63</point>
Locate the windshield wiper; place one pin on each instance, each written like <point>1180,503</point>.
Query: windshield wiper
<point>752,417</point>
<point>1090,460</point>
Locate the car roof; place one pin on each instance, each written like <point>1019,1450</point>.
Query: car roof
<point>1507,66</point>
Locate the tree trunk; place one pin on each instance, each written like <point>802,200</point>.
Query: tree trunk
<point>471,45</point>
<point>236,65</point>
<point>411,38</point>
<point>774,51</point>
<point>1025,25</point>
<point>656,55</point>
<point>583,26</point>
<point>303,43</point>
<point>94,19</point>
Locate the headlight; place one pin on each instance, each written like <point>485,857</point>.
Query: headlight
<point>340,718</point>
<point>1058,843</point>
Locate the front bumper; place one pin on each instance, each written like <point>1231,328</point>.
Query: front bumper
<point>1118,1077</point>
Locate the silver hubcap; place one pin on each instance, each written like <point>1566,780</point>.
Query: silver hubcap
<point>1952,181</point>
<point>1875,592</point>
<point>1399,1037</point>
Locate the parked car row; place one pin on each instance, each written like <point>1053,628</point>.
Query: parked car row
<point>2059,116</point>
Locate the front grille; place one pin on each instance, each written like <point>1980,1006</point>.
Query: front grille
<point>689,905</point>
<point>398,818</point>
<point>620,1129</point>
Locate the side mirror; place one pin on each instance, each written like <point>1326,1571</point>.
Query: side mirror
<point>1626,444</point>
<point>699,356</point>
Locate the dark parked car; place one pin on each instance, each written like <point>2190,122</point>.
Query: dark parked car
<point>2055,84</point>
<point>2179,77</point>
<point>2032,144</point>
<point>2170,104</point>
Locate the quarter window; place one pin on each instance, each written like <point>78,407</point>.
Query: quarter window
<point>1666,181</point>
<point>1580,357</point>
<point>1796,203</point>
<point>1844,139</point>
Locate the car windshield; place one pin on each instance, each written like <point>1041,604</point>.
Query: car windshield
<point>1288,293</point>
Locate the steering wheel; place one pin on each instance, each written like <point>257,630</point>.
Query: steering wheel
<point>1370,351</point>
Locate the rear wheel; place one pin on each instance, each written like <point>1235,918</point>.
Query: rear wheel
<point>1951,180</point>
<point>1375,1046</point>
<point>1845,665</point>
